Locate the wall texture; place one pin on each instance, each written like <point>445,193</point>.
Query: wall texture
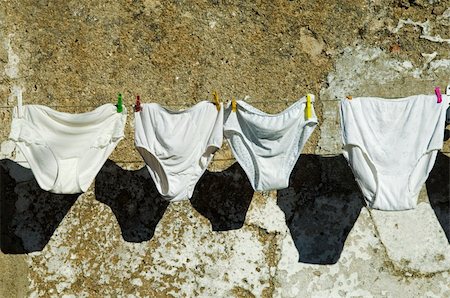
<point>313,239</point>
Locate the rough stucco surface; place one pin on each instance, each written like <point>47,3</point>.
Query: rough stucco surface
<point>313,239</point>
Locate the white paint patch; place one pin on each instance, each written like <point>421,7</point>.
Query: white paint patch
<point>269,217</point>
<point>429,57</point>
<point>12,67</point>
<point>6,149</point>
<point>445,17</point>
<point>361,241</point>
<point>440,64</point>
<point>212,24</point>
<point>343,286</point>
<point>137,282</point>
<point>411,246</point>
<point>355,68</point>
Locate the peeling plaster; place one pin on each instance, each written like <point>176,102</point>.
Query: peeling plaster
<point>426,30</point>
<point>12,67</point>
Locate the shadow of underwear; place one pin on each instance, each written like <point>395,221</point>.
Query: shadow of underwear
<point>28,215</point>
<point>438,190</point>
<point>224,198</point>
<point>321,207</point>
<point>133,198</point>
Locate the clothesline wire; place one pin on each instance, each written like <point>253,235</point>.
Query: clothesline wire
<point>142,161</point>
<point>271,103</point>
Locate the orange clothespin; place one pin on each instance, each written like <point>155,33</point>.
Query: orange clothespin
<point>349,97</point>
<point>137,106</point>
<point>233,105</point>
<point>216,100</point>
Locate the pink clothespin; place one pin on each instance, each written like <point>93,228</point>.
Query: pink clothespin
<point>137,106</point>
<point>437,90</point>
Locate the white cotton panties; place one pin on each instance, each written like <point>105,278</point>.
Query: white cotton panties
<point>66,151</point>
<point>267,146</point>
<point>177,146</point>
<point>391,146</point>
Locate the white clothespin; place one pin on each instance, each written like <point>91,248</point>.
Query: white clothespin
<point>19,102</point>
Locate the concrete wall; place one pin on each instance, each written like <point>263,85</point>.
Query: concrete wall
<point>313,239</point>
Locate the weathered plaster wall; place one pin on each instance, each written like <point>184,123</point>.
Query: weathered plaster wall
<point>314,239</point>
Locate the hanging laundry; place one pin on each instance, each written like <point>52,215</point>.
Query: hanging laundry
<point>177,146</point>
<point>267,146</point>
<point>66,151</point>
<point>391,146</point>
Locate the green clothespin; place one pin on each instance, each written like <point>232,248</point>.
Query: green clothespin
<point>119,103</point>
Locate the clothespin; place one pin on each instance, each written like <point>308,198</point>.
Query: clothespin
<point>233,105</point>
<point>308,110</point>
<point>216,100</point>
<point>137,106</point>
<point>349,97</point>
<point>448,109</point>
<point>119,103</point>
<point>437,90</point>
<point>19,103</point>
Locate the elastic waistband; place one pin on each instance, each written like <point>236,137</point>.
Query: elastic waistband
<point>251,109</point>
<point>184,111</point>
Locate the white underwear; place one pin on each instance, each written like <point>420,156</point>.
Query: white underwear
<point>391,146</point>
<point>178,146</point>
<point>267,146</point>
<point>66,151</point>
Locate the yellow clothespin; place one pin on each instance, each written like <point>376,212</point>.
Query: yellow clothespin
<point>308,106</point>
<point>233,105</point>
<point>216,100</point>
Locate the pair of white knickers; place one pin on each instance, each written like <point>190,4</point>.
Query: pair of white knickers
<point>177,146</point>
<point>391,146</point>
<point>66,151</point>
<point>267,146</point>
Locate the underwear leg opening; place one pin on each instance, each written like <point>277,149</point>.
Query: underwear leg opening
<point>207,156</point>
<point>421,171</point>
<point>248,168</point>
<point>46,173</point>
<point>156,169</point>
<point>361,165</point>
<point>298,145</point>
